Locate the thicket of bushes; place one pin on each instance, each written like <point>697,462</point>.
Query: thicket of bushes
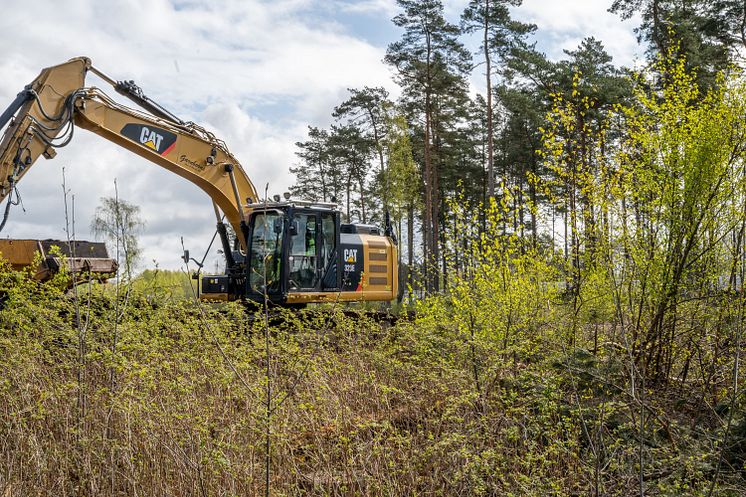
<point>610,368</point>
<point>482,393</point>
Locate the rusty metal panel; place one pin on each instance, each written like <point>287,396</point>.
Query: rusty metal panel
<point>91,265</point>
<point>20,253</point>
<point>90,257</point>
<point>80,248</point>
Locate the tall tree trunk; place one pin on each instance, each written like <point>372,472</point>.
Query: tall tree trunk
<point>436,214</point>
<point>362,200</point>
<point>429,221</point>
<point>398,227</point>
<point>534,207</point>
<point>488,65</point>
<point>564,221</point>
<point>427,211</point>
<point>444,251</point>
<point>349,194</point>
<point>410,242</point>
<point>322,175</point>
<point>521,206</point>
<point>425,269</point>
<point>382,163</point>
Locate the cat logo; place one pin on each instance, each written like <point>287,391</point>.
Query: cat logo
<point>150,139</point>
<point>350,256</point>
<point>156,139</point>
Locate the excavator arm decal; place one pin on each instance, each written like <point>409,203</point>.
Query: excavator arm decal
<point>157,139</point>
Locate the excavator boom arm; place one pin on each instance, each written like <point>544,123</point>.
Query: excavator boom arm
<point>50,108</point>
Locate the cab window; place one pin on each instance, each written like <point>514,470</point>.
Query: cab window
<point>266,252</point>
<point>303,257</point>
<point>328,250</point>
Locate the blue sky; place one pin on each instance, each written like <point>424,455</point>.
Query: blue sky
<point>255,72</point>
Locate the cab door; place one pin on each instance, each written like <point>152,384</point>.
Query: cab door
<point>303,252</point>
<point>329,251</point>
<point>313,251</point>
<point>265,254</point>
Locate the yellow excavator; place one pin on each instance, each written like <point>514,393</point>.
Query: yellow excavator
<point>288,251</point>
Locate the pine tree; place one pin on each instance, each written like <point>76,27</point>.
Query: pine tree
<point>431,63</point>
<point>319,177</point>
<point>726,23</point>
<point>368,110</point>
<point>519,142</point>
<point>500,34</point>
<point>311,174</point>
<point>702,31</point>
<point>350,150</point>
<point>403,180</point>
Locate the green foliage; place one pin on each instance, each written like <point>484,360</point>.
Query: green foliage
<point>611,367</point>
<point>584,327</point>
<point>368,112</point>
<point>477,394</point>
<point>119,222</point>
<point>351,149</point>
<point>502,32</point>
<point>159,285</point>
<point>706,34</point>
<point>317,178</point>
<point>402,177</point>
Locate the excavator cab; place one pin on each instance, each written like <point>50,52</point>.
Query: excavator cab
<point>301,252</point>
<point>293,251</point>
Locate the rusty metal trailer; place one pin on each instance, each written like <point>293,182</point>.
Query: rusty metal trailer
<point>47,257</point>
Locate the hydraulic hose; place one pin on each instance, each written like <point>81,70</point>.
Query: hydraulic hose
<point>20,99</point>
<point>5,214</point>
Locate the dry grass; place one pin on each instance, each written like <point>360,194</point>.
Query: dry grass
<point>359,410</point>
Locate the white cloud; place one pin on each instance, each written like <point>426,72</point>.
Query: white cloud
<point>387,7</point>
<point>562,25</point>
